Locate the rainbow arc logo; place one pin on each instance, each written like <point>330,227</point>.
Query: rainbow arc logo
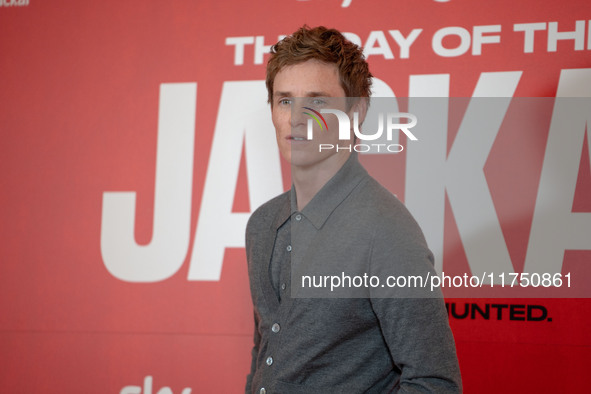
<point>316,115</point>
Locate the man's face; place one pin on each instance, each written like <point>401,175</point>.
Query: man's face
<point>315,85</point>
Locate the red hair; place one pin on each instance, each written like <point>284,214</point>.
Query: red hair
<point>328,46</point>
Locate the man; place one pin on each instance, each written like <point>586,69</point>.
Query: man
<point>336,218</point>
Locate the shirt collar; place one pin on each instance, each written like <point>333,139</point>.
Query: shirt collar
<point>332,194</point>
<point>283,213</point>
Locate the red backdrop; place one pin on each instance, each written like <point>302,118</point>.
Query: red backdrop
<point>84,86</point>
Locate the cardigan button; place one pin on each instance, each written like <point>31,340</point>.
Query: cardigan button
<point>275,328</point>
<point>262,390</point>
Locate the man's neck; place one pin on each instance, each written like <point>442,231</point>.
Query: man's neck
<point>309,180</point>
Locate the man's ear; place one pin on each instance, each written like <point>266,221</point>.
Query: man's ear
<point>360,106</point>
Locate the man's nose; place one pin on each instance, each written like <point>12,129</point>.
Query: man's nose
<point>298,118</point>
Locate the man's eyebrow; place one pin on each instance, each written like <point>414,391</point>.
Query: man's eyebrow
<point>281,94</point>
<point>317,94</point>
<point>308,94</point>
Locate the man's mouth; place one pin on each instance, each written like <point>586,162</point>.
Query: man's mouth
<point>296,138</point>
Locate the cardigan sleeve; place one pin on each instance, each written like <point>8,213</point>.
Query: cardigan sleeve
<point>413,320</point>
<point>255,352</point>
<point>421,344</point>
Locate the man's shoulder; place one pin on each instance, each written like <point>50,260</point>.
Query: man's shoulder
<point>264,215</point>
<point>380,200</point>
<point>383,209</point>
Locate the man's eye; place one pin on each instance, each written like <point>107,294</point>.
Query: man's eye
<point>285,102</point>
<point>318,102</point>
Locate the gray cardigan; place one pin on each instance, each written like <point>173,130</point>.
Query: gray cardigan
<point>360,340</point>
